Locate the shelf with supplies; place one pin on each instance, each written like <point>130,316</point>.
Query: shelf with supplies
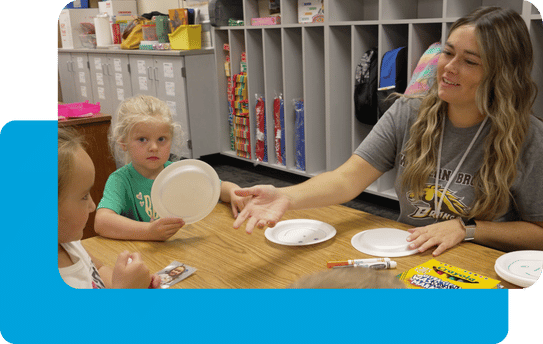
<point>316,63</point>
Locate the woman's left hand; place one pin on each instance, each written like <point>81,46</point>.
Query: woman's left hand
<point>444,235</point>
<point>237,202</point>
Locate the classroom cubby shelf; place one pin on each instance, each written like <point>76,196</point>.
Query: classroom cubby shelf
<point>316,62</point>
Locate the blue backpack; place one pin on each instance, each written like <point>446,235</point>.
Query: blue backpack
<point>393,77</point>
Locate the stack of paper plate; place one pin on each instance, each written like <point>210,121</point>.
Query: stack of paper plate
<point>188,189</point>
<point>521,268</point>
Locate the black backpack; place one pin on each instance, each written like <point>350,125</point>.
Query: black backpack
<point>222,10</point>
<point>365,88</point>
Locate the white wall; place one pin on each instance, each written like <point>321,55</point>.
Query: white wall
<point>162,6</point>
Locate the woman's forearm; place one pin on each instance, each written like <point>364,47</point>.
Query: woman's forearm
<point>510,236</point>
<point>334,187</point>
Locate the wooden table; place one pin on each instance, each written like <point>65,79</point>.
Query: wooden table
<point>95,130</point>
<point>230,258</point>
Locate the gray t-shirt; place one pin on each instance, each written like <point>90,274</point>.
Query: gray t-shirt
<point>383,149</point>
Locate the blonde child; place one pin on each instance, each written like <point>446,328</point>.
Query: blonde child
<point>144,134</point>
<point>76,266</point>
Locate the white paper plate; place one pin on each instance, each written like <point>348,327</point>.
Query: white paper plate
<point>521,268</point>
<point>188,189</point>
<point>300,232</point>
<point>383,242</point>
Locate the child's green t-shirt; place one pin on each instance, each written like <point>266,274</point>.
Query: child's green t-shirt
<point>128,193</point>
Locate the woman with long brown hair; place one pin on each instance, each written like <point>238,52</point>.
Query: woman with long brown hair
<point>468,153</point>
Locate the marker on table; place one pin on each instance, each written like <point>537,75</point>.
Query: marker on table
<point>333,263</point>
<point>376,265</point>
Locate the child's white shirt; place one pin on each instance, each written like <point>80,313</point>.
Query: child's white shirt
<point>82,274</point>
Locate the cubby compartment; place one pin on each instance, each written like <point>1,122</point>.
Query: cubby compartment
<point>339,88</point>
<point>364,37</point>
<point>273,77</point>
<point>385,184</point>
<point>459,8</point>
<point>314,99</point>
<point>273,67</point>
<point>237,47</point>
<point>421,36</point>
<point>515,5</point>
<point>411,9</point>
<point>352,10</point>
<point>250,10</point>
<point>255,62</point>
<point>221,38</point>
<point>292,63</point>
<point>235,40</point>
<point>391,37</point>
<point>289,12</point>
<point>292,87</point>
<point>255,71</point>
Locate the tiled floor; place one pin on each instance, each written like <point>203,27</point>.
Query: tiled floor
<point>245,174</point>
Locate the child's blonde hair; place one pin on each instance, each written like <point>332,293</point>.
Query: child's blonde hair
<point>69,141</point>
<point>142,109</point>
<point>349,278</point>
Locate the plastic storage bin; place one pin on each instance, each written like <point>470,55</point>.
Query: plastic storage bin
<point>186,37</point>
<point>74,110</point>
<point>88,40</point>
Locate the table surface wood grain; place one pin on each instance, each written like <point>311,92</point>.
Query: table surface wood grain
<point>230,258</point>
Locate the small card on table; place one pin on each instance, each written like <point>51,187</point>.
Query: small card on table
<point>174,273</point>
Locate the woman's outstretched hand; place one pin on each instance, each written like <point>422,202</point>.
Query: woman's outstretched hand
<point>266,206</point>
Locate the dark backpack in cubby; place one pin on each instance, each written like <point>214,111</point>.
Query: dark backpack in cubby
<point>222,10</point>
<point>365,89</point>
<point>393,77</point>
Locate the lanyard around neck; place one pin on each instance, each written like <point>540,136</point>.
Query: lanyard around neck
<point>437,204</point>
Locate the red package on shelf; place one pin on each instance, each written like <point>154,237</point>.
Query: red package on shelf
<point>277,129</point>
<point>260,145</point>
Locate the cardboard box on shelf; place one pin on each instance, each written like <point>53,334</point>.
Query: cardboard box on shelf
<point>119,7</point>
<point>310,11</point>
<point>267,8</point>
<point>69,22</point>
